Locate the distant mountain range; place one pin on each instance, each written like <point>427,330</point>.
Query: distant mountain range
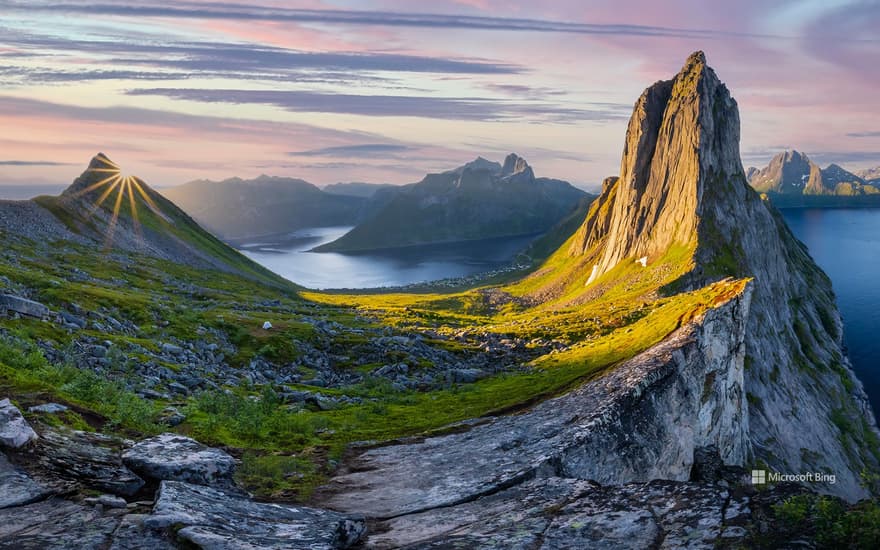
<point>357,189</point>
<point>481,199</point>
<point>236,208</point>
<point>792,179</point>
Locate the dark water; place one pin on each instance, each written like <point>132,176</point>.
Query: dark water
<point>289,257</point>
<point>846,244</point>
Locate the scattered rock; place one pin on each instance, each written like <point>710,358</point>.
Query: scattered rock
<point>15,432</point>
<point>111,501</point>
<point>23,306</point>
<point>50,408</point>
<point>178,458</point>
<point>213,518</point>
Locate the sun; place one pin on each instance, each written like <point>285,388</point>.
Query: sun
<point>125,187</point>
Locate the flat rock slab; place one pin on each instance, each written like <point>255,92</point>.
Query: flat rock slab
<point>557,513</point>
<point>15,432</point>
<point>16,488</point>
<point>216,519</point>
<point>173,457</point>
<point>56,524</point>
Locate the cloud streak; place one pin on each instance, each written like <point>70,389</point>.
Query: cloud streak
<point>447,108</point>
<point>32,163</point>
<point>242,12</point>
<point>366,150</point>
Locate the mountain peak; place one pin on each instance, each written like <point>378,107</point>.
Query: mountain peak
<point>682,187</point>
<point>514,164</point>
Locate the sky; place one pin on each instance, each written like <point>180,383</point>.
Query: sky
<point>388,90</point>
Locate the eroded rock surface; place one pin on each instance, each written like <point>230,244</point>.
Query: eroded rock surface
<point>212,518</point>
<point>16,487</point>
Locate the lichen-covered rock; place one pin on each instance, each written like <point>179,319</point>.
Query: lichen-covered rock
<point>642,421</point>
<point>214,519</point>
<point>15,432</point>
<point>178,458</point>
<point>16,488</point>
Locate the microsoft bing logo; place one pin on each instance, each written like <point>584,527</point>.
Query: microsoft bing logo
<point>759,477</point>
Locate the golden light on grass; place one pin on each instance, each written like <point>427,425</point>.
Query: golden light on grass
<point>123,186</point>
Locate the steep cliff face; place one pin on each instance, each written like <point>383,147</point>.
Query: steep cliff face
<point>682,183</point>
<point>642,421</point>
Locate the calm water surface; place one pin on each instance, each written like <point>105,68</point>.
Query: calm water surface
<point>290,258</point>
<point>846,244</point>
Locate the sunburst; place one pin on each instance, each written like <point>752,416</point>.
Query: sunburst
<point>123,186</point>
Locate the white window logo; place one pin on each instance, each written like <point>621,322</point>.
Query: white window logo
<point>759,477</point>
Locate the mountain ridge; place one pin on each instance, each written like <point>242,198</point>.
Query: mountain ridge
<point>478,200</point>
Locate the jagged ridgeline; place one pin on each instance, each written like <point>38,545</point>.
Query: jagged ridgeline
<point>109,210</point>
<point>682,215</point>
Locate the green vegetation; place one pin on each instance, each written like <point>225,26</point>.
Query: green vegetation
<point>288,448</point>
<point>831,522</point>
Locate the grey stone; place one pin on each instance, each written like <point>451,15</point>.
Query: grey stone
<point>56,524</point>
<point>132,534</point>
<point>172,349</point>
<point>175,457</point>
<point>23,306</point>
<point>111,501</point>
<point>16,488</point>
<point>50,408</point>
<point>15,432</point>
<point>214,519</point>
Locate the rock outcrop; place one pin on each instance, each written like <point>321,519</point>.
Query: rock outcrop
<point>15,432</point>
<point>682,184</point>
<point>642,421</point>
<point>178,458</point>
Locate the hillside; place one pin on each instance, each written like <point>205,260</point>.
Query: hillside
<point>478,200</point>
<point>115,212</point>
<point>235,208</point>
<point>792,179</point>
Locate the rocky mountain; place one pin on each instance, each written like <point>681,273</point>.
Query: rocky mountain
<point>479,200</point>
<point>871,175</point>
<point>235,208</point>
<point>105,209</point>
<point>791,176</point>
<point>757,380</point>
<point>682,184</point>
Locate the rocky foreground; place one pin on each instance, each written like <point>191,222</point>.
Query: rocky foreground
<point>61,488</point>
